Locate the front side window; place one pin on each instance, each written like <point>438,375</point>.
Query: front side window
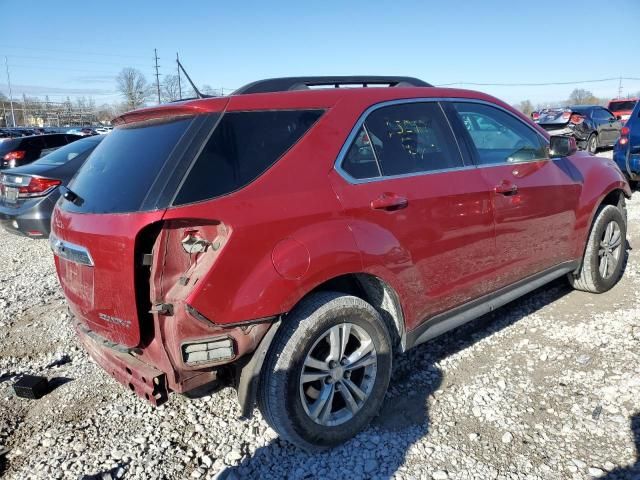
<point>242,147</point>
<point>498,136</point>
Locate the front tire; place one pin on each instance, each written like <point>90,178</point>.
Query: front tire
<point>605,254</point>
<point>327,371</point>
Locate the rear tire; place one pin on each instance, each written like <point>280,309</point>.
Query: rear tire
<point>319,413</point>
<point>605,253</point>
<point>592,143</point>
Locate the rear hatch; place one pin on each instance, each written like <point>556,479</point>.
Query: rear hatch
<point>20,187</point>
<point>622,108</point>
<point>24,186</point>
<point>99,229</point>
<point>559,121</point>
<point>554,119</point>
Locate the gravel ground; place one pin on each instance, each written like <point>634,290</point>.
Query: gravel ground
<point>547,387</point>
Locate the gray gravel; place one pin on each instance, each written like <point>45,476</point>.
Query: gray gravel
<point>545,388</point>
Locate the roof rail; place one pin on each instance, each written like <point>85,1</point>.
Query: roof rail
<point>303,83</point>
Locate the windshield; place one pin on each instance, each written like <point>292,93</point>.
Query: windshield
<point>627,105</point>
<point>68,152</point>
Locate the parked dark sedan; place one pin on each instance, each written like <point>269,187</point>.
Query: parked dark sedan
<point>16,152</point>
<point>592,126</point>
<point>28,194</point>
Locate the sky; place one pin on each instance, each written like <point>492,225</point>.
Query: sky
<point>78,49</point>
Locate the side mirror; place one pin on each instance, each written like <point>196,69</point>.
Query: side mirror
<point>561,146</point>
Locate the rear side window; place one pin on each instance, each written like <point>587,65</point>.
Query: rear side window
<point>121,170</point>
<point>498,136</point>
<point>242,146</point>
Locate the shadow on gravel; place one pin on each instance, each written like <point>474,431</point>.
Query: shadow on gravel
<point>632,472</point>
<point>380,451</point>
<point>3,464</point>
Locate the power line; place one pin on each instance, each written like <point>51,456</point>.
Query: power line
<point>74,52</point>
<point>74,60</point>
<point>543,84</point>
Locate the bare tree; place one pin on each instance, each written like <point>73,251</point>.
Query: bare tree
<point>133,87</point>
<point>209,90</point>
<point>525,107</point>
<point>581,96</point>
<point>169,91</point>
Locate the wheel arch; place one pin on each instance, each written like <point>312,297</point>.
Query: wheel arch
<point>378,293</point>
<point>370,288</point>
<point>615,195</point>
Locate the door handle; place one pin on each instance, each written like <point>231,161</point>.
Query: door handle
<point>390,202</point>
<point>506,188</point>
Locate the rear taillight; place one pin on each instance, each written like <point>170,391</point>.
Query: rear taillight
<point>15,155</point>
<point>38,186</point>
<point>576,119</point>
<point>535,116</point>
<point>566,115</point>
<point>624,136</point>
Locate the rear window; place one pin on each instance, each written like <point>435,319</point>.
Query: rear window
<point>622,106</point>
<point>68,152</point>
<point>120,172</point>
<point>241,148</point>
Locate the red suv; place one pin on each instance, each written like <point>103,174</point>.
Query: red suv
<point>294,238</point>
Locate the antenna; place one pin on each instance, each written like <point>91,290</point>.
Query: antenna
<point>195,89</point>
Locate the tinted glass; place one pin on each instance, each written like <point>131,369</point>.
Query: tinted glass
<point>68,152</point>
<point>412,138</point>
<point>52,141</point>
<point>120,171</point>
<point>242,146</point>
<point>360,161</point>
<point>600,114</point>
<point>34,143</point>
<point>498,136</point>
<point>621,106</point>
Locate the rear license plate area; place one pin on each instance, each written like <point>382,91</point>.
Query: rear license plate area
<point>10,194</point>
<point>77,282</point>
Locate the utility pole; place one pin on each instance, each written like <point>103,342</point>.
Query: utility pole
<point>620,88</point>
<point>13,117</point>
<point>24,110</point>
<point>179,85</point>
<point>155,51</point>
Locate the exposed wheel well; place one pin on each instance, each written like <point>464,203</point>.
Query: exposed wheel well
<point>377,293</point>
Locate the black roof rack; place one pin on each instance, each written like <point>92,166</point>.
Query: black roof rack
<point>303,83</point>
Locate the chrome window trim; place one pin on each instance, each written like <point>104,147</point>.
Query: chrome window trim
<point>70,251</point>
<point>360,122</point>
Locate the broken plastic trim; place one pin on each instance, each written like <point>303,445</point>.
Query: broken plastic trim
<point>200,317</point>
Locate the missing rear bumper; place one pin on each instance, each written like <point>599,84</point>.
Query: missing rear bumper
<point>144,380</point>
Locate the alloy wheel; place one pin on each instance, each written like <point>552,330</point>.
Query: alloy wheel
<point>610,248</point>
<point>338,374</point>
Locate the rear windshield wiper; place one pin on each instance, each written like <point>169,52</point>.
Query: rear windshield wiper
<point>71,196</point>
